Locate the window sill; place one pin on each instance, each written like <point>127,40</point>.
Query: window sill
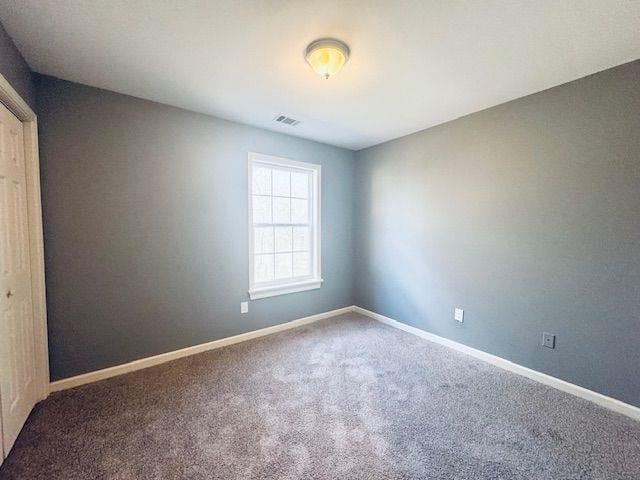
<point>265,292</point>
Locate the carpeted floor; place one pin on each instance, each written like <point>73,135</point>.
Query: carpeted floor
<point>345,398</point>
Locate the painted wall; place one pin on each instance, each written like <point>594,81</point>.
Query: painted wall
<point>15,69</point>
<point>145,221</point>
<point>527,215</point>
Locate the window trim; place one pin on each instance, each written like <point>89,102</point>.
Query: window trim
<point>284,287</point>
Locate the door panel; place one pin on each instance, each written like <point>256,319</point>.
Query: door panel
<point>18,390</point>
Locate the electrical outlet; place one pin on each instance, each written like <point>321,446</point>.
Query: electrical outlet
<point>244,307</point>
<point>458,315</point>
<point>548,340</point>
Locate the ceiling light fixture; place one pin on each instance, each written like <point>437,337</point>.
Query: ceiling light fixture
<point>327,56</point>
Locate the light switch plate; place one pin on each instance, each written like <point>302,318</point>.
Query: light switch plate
<point>458,315</point>
<point>244,307</point>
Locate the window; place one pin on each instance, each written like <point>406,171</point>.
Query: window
<point>284,226</point>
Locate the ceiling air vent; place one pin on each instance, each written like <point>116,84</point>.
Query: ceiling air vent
<point>285,120</point>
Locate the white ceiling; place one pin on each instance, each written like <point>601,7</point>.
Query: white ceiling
<point>414,63</point>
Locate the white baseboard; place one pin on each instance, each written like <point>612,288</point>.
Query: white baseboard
<point>595,397</point>
<point>105,373</point>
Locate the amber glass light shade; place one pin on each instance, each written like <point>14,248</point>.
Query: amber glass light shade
<point>326,57</point>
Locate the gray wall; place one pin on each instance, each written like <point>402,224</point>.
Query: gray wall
<point>527,215</point>
<point>145,220</point>
<point>15,69</point>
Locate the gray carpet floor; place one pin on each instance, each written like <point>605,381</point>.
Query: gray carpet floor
<point>344,398</point>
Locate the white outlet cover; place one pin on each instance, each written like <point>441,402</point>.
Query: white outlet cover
<point>458,314</point>
<point>244,307</point>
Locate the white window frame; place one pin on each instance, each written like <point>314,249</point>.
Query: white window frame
<point>313,281</point>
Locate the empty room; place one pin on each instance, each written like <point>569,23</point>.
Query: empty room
<point>291,239</point>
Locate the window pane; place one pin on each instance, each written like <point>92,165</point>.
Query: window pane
<point>261,209</point>
<point>261,181</point>
<point>281,183</point>
<point>283,265</point>
<point>263,240</point>
<point>301,238</point>
<point>281,210</point>
<point>299,184</point>
<point>263,268</point>
<point>299,210</point>
<point>301,265</point>
<point>284,239</point>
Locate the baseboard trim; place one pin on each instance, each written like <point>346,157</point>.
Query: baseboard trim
<point>595,397</point>
<point>147,362</point>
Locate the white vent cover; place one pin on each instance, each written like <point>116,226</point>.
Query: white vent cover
<point>286,120</point>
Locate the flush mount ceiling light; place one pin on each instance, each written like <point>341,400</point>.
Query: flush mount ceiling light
<point>327,56</point>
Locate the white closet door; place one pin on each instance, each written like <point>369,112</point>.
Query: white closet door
<point>18,375</point>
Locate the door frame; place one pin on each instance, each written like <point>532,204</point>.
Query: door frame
<point>16,105</point>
